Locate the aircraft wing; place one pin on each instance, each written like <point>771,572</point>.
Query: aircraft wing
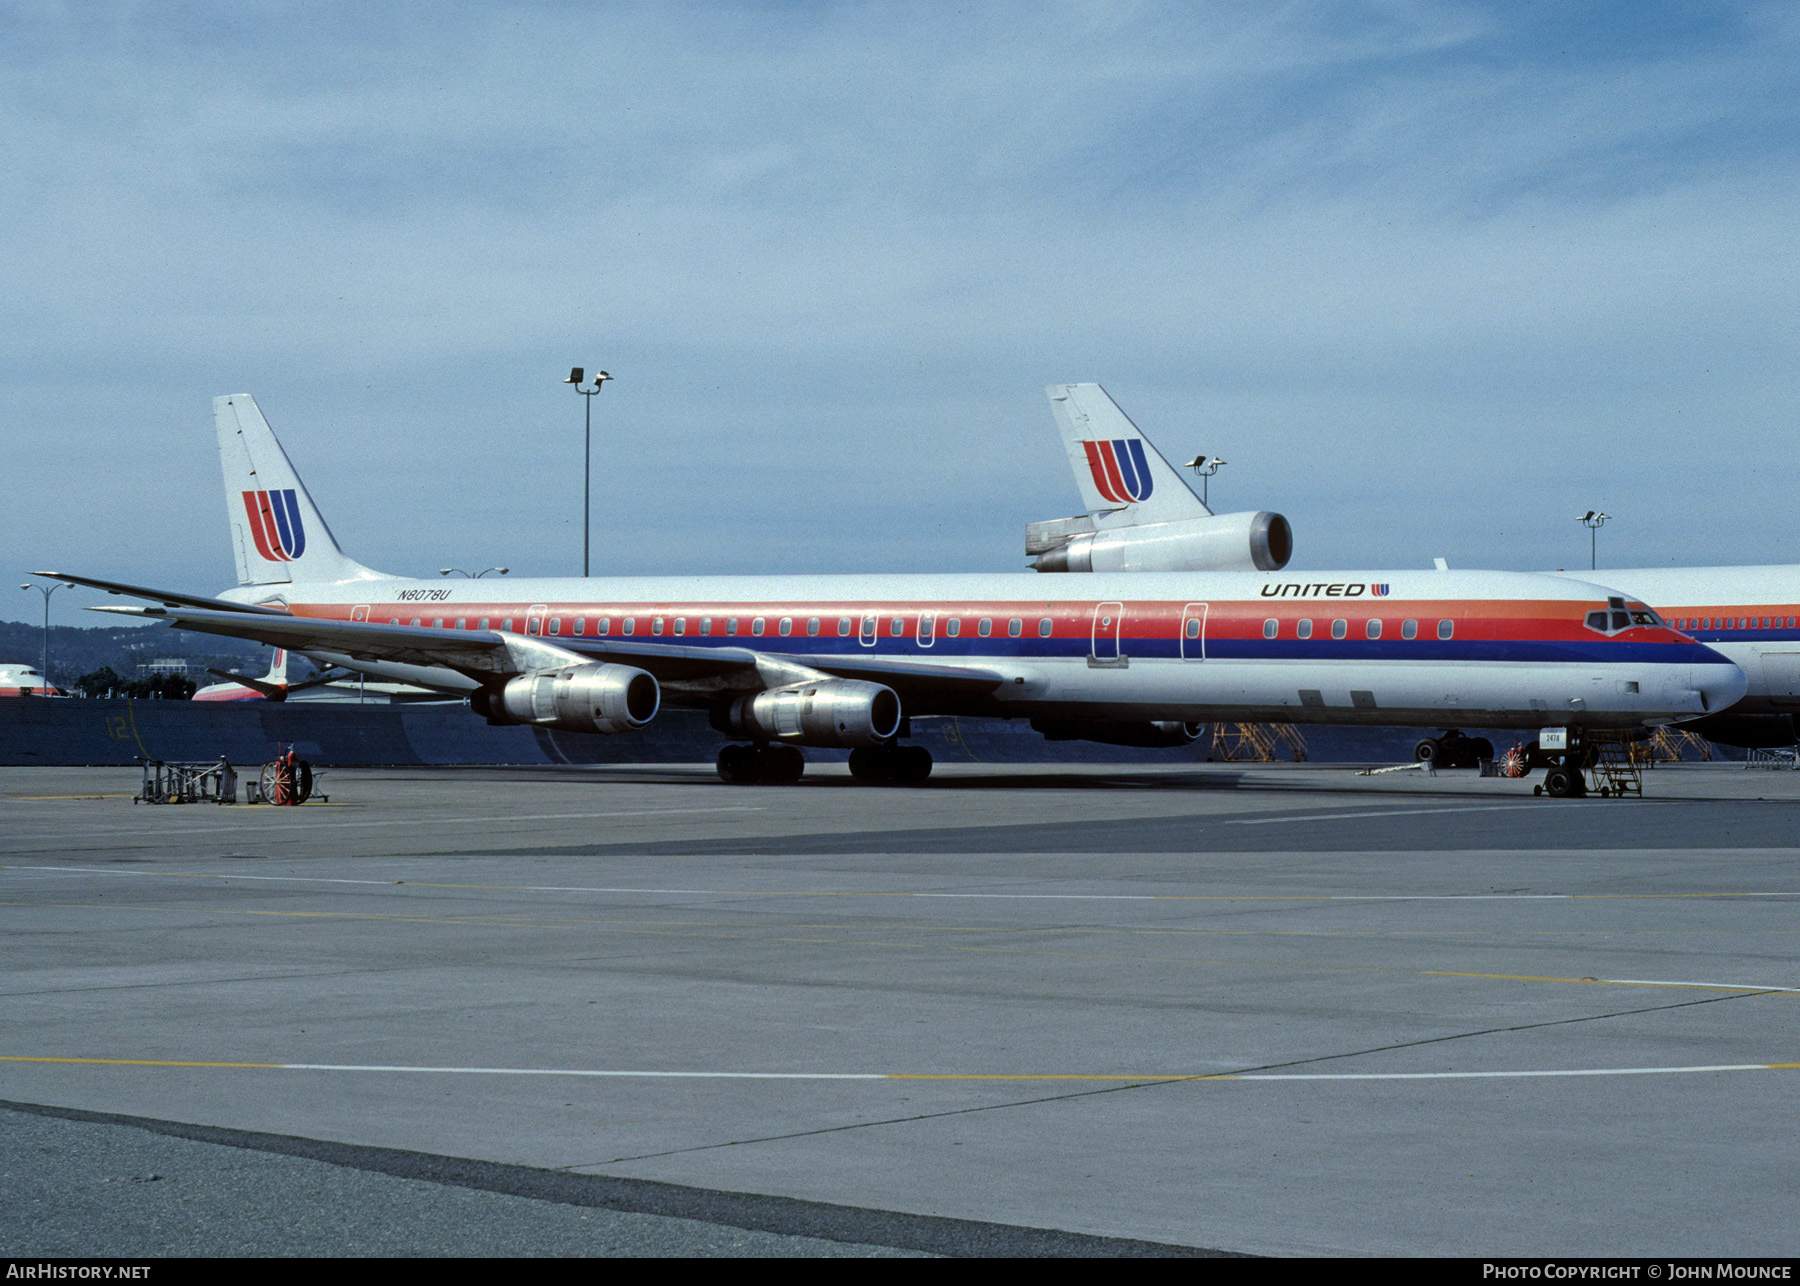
<point>468,651</point>
<point>168,598</point>
<point>748,669</point>
<point>911,678</point>
<point>492,654</point>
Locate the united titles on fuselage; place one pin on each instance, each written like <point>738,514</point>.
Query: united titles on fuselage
<point>1341,589</point>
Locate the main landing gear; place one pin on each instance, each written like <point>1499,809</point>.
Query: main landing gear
<point>891,763</point>
<point>776,764</point>
<point>769,765</point>
<point>1453,750</point>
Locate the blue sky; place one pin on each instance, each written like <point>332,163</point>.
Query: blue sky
<point>1435,278</point>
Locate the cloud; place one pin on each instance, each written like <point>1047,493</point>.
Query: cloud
<point>1434,277</point>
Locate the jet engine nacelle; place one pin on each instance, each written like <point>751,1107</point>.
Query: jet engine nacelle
<point>1217,543</point>
<point>832,712</point>
<point>1160,734</point>
<point>578,698</point>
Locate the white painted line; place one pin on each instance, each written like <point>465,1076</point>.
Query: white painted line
<point>327,879</point>
<point>562,1071</point>
<point>1054,897</point>
<point>425,819</point>
<point>1737,986</point>
<point>1459,1076</point>
<point>1110,1077</point>
<point>1377,815</point>
<point>878,893</point>
<point>1455,897</point>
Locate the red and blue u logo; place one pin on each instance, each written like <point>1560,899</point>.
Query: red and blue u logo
<point>275,524</point>
<point>1120,470</point>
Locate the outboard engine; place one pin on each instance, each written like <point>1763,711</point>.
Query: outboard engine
<point>1219,542</point>
<point>577,698</point>
<point>832,712</point>
<point>1160,734</point>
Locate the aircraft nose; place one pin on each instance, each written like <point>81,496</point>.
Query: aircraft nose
<point>1718,686</point>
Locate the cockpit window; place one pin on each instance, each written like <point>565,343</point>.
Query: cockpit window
<point>1615,619</point>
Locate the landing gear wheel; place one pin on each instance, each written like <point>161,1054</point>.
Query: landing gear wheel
<point>737,765</point>
<point>869,763</point>
<point>1562,783</point>
<point>1429,751</point>
<point>914,763</point>
<point>779,765</point>
<point>1482,748</point>
<point>895,764</point>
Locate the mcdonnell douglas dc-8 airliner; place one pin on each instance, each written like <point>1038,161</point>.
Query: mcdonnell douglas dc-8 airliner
<point>786,661</point>
<point>1142,516</point>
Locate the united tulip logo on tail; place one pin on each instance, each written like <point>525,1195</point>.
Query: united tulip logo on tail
<point>1120,470</point>
<point>275,524</point>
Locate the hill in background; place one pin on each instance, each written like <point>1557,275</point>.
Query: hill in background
<point>75,651</point>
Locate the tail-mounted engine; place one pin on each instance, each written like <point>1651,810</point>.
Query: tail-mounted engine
<point>1157,735</point>
<point>578,698</point>
<point>1217,543</point>
<point>833,712</point>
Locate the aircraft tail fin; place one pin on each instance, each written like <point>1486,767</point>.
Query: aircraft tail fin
<point>277,533</point>
<point>1124,479</point>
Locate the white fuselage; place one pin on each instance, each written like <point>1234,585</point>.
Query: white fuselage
<point>24,680</point>
<point>1749,614</point>
<point>1436,649</point>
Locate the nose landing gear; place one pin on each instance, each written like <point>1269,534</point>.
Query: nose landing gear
<point>1562,782</point>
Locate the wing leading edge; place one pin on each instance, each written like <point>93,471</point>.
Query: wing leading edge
<point>488,655</point>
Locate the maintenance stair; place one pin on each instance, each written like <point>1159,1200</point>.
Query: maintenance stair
<point>1260,743</point>
<point>1616,763</point>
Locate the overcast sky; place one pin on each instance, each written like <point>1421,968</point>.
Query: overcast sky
<point>1434,278</point>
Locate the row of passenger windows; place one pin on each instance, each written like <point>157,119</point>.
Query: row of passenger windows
<point>1733,623</point>
<point>952,626</point>
<point>1303,629</point>
<point>846,625</point>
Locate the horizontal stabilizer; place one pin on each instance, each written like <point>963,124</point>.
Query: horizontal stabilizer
<point>273,691</point>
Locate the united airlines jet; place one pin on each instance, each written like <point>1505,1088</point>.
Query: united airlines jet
<point>787,661</point>
<point>1143,516</point>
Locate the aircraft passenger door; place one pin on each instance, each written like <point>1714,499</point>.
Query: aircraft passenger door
<point>1193,632</point>
<point>927,628</point>
<point>1109,619</point>
<point>869,622</point>
<point>534,620</point>
<point>360,612</point>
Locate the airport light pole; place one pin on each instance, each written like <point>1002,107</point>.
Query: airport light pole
<point>46,591</point>
<point>1205,469</point>
<point>1593,520</point>
<point>457,571</point>
<point>576,375</point>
